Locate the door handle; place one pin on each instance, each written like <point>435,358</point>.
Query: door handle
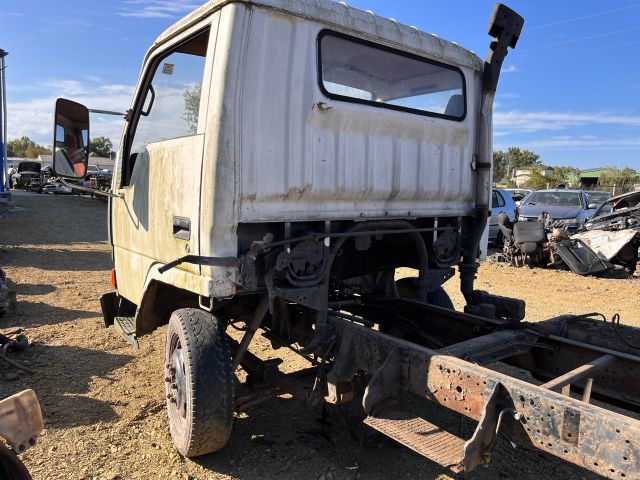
<point>181,228</point>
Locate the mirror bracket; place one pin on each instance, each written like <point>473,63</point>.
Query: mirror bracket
<point>94,191</point>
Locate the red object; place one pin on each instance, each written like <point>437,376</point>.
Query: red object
<point>113,278</point>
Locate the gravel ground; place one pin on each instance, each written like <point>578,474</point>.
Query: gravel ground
<point>103,401</point>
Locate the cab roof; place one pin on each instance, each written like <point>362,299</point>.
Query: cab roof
<point>347,19</point>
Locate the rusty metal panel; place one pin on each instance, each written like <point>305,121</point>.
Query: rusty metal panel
<point>593,437</point>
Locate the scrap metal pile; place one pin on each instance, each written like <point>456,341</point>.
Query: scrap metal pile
<point>607,244</point>
<point>614,231</point>
<point>547,243</point>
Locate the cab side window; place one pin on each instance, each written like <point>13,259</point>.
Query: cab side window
<point>169,106</point>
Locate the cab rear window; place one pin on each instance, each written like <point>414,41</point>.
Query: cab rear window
<point>355,70</point>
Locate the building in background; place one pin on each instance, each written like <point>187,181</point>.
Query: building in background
<point>523,175</point>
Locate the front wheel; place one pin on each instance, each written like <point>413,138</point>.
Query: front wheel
<point>199,382</point>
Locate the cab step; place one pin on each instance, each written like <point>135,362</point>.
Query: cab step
<point>126,327</point>
<point>421,436</point>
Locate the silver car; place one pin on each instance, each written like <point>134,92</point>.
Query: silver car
<point>501,201</point>
<point>570,207</point>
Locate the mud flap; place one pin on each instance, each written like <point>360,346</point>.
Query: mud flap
<point>109,306</point>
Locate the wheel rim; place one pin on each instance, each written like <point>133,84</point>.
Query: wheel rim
<point>177,380</point>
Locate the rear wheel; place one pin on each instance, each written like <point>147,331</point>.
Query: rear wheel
<point>199,382</point>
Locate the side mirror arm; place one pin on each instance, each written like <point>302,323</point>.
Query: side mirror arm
<point>94,191</point>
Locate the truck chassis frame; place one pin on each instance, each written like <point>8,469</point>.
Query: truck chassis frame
<point>574,358</point>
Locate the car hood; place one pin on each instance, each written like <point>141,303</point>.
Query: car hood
<point>554,212</point>
<point>29,167</point>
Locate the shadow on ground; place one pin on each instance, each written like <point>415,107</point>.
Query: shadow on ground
<point>33,288</point>
<point>307,442</point>
<point>36,220</point>
<point>33,314</point>
<point>62,392</point>
<point>57,259</point>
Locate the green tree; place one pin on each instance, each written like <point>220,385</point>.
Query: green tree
<point>26,148</point>
<point>569,176</point>
<point>622,178</point>
<point>505,163</point>
<point>563,175</point>
<point>191,97</point>
<point>101,147</point>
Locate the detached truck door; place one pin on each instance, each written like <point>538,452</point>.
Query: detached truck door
<point>157,220</point>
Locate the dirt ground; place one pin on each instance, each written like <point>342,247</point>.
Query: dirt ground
<point>103,401</point>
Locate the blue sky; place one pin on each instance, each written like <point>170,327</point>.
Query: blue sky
<point>570,91</point>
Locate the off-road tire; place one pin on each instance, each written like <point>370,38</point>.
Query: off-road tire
<point>206,424</point>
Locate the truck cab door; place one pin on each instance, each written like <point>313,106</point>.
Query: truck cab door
<point>160,166</point>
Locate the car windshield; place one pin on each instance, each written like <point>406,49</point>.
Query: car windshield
<point>555,199</point>
<point>599,197</point>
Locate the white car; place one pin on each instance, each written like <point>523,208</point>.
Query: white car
<point>56,188</point>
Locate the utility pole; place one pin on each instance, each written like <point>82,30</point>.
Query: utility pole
<point>5,191</point>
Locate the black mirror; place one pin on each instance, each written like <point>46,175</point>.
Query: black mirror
<point>70,139</point>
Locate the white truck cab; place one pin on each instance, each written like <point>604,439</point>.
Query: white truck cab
<point>279,161</point>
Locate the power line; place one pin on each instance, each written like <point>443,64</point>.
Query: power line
<point>579,52</point>
<point>583,17</point>
<point>575,40</point>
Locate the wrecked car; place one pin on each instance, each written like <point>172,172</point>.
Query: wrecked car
<point>26,173</point>
<point>614,230</point>
<point>547,243</point>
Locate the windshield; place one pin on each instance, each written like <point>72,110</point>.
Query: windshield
<point>555,199</point>
<point>367,73</point>
<point>599,197</point>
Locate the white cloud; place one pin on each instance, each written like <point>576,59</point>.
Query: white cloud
<point>510,69</point>
<point>585,142</point>
<point>158,8</point>
<point>11,14</point>
<point>518,121</point>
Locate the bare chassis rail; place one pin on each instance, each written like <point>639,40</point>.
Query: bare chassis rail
<point>598,439</point>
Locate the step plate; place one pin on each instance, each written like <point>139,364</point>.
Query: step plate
<point>126,327</point>
<point>421,436</point>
